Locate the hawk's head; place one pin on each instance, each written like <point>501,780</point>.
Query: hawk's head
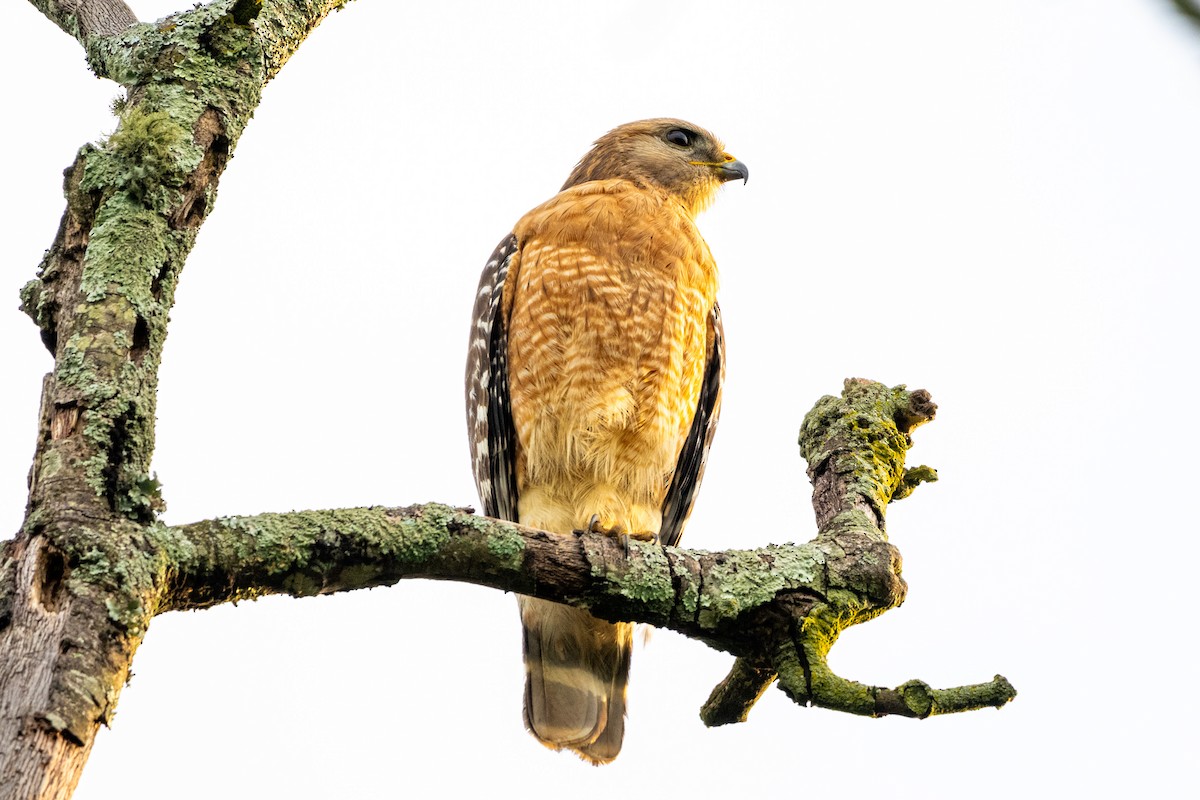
<point>682,158</point>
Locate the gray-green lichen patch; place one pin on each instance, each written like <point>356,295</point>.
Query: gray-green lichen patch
<point>860,433</point>
<point>685,574</point>
<point>300,542</point>
<point>741,580</point>
<point>129,247</point>
<point>190,61</point>
<point>34,303</point>
<point>506,544</point>
<point>648,578</point>
<point>266,543</point>
<point>51,465</point>
<point>422,535</point>
<point>634,570</point>
<point>146,158</point>
<point>119,566</point>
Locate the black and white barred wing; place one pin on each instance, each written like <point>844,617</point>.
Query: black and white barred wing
<point>489,417</point>
<point>689,469</point>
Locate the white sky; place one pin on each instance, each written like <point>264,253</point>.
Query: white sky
<point>996,201</point>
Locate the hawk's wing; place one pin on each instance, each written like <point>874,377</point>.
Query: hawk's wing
<point>689,469</point>
<point>489,418</point>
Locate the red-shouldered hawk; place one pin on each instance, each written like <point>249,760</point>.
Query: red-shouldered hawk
<point>593,387</point>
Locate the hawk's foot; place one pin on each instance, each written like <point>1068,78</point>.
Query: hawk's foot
<point>593,526</point>
<point>619,532</point>
<point>641,536</point>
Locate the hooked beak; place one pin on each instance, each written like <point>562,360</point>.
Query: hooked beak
<point>734,169</point>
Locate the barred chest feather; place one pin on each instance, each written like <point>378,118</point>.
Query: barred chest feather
<point>611,291</point>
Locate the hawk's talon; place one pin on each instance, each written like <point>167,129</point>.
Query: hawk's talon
<point>618,532</point>
<point>641,536</point>
<point>593,526</point>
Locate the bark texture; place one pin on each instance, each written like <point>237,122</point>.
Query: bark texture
<point>92,566</point>
<point>80,582</point>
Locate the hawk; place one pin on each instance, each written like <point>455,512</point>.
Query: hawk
<point>593,387</point>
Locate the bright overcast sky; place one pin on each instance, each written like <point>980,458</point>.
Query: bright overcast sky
<point>996,201</point>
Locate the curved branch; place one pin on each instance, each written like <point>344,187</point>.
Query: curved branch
<point>779,609</point>
<point>282,27</point>
<point>102,27</point>
<point>714,596</point>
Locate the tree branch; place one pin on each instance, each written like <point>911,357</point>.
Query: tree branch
<point>84,19</point>
<point>779,609</point>
<point>282,27</point>
<point>128,56</point>
<point>1188,9</point>
<point>82,580</point>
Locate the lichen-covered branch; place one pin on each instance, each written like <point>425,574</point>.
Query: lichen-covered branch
<point>712,596</point>
<point>779,609</point>
<point>282,27</point>
<point>121,48</point>
<point>78,589</point>
<point>855,446</point>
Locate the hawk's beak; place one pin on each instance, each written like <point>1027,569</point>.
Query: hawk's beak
<point>727,169</point>
<point>734,169</point>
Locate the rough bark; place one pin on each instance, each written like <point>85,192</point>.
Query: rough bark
<point>84,19</point>
<point>74,597</point>
<point>92,566</point>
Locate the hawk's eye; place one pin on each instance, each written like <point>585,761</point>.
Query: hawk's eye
<point>680,138</point>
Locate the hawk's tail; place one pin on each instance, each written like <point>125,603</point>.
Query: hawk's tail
<point>576,671</point>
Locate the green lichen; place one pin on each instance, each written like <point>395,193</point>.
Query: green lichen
<point>860,432</point>
<point>191,61</point>
<point>143,498</point>
<point>829,690</point>
<point>814,681</point>
<point>688,585</point>
<point>741,580</point>
<point>33,303</point>
<point>506,544</point>
<point>147,157</point>
<point>914,477</point>
<point>171,545</point>
<point>647,578</point>
<point>129,247</point>
<point>825,621</point>
<point>51,465</point>
<point>287,544</point>
<point>422,536</point>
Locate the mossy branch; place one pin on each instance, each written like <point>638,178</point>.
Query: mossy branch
<point>778,609</point>
<point>855,445</point>
<point>129,52</point>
